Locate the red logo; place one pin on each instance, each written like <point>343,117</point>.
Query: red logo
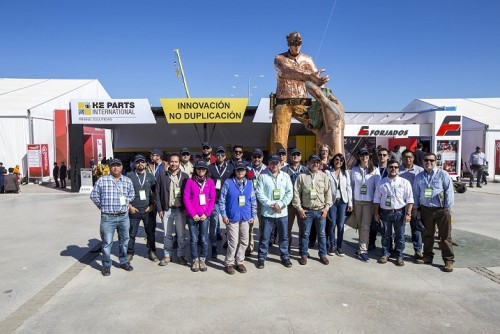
<point>450,126</point>
<point>363,131</point>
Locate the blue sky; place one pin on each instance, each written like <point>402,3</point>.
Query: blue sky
<point>380,54</point>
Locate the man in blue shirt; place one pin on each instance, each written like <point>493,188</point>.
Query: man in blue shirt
<point>112,194</point>
<point>433,193</point>
<point>477,161</point>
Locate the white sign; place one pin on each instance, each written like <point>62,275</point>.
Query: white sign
<point>383,130</point>
<point>117,111</point>
<point>86,177</point>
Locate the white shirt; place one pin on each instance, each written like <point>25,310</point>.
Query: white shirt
<point>398,191</point>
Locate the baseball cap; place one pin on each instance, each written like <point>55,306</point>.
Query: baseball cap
<point>240,165</point>
<point>138,158</point>
<point>205,144</point>
<point>274,158</point>
<point>115,162</point>
<point>220,149</point>
<point>314,157</point>
<point>363,151</point>
<point>295,150</point>
<point>201,164</point>
<point>257,151</point>
<point>157,151</point>
<point>185,150</point>
<point>281,150</point>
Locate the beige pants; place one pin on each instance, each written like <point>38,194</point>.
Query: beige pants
<point>363,214</point>
<point>237,242</point>
<point>282,118</point>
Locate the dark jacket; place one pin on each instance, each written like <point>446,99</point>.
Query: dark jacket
<point>63,172</point>
<point>163,190</point>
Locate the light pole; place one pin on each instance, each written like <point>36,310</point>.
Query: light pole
<point>249,87</point>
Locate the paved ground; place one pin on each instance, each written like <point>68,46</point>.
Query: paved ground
<point>51,281</point>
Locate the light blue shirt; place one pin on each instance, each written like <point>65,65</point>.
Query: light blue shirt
<point>410,174</point>
<point>360,177</point>
<point>440,182</point>
<point>266,184</point>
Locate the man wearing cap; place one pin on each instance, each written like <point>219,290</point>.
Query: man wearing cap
<point>293,69</point>
<point>274,192</point>
<point>220,171</point>
<point>156,167</point>
<point>206,153</point>
<point>186,164</point>
<point>254,170</point>
<point>281,152</point>
<point>294,169</point>
<point>168,201</point>
<point>112,194</point>
<point>312,197</point>
<point>139,209</point>
<point>477,161</point>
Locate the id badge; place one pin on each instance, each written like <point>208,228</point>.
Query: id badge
<point>122,200</point>
<point>276,194</point>
<point>177,192</point>
<point>203,199</point>
<point>363,189</point>
<point>388,201</point>
<point>241,200</point>
<point>217,184</point>
<point>428,193</point>
<point>254,181</point>
<point>313,194</point>
<point>142,195</point>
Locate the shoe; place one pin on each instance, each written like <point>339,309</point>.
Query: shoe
<point>331,251</point>
<point>126,266</point>
<point>195,267</point>
<point>225,245</point>
<point>478,186</point>
<point>339,252</point>
<point>324,260</point>
<point>203,266</point>
<point>130,257</point>
<point>106,271</point>
<point>229,269</point>
<point>371,246</point>
<point>152,256</point>
<point>248,252</point>
<point>303,260</point>
<point>448,267</point>
<point>219,237</point>
<point>260,264</point>
<point>164,261</point>
<point>423,260</point>
<point>241,268</point>
<point>214,252</point>
<point>175,245</point>
<point>418,255</point>
<point>287,263</point>
<point>485,182</point>
<point>383,259</point>
<point>400,262</point>
<point>182,261</point>
<point>363,257</point>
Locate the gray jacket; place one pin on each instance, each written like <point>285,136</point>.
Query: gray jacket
<point>344,186</point>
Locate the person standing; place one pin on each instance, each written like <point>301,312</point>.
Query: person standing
<point>383,157</point>
<point>419,155</point>
<point>168,201</point>
<point>477,161</point>
<point>326,155</point>
<point>433,193</point>
<point>281,152</point>
<point>395,154</point>
<point>55,174</point>
<point>11,183</point>
<point>186,164</point>
<point>340,184</point>
<point>364,178</point>
<point>238,207</point>
<point>199,200</point>
<point>408,170</point>
<point>3,171</point>
<point>156,167</point>
<point>394,199</point>
<point>238,156</point>
<point>112,194</point>
<point>254,170</point>
<point>274,192</point>
<point>312,197</point>
<point>140,208</point>
<point>207,155</point>
<point>63,174</point>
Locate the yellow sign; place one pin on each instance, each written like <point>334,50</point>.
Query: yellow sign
<point>205,110</point>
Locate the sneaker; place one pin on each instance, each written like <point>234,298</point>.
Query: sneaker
<point>152,256</point>
<point>126,266</point>
<point>241,268</point>
<point>287,263</point>
<point>229,269</point>
<point>106,271</point>
<point>164,261</point>
<point>363,257</point>
<point>182,261</point>
<point>260,264</point>
<point>130,257</point>
<point>448,267</point>
<point>195,267</point>
<point>400,262</point>
<point>339,252</point>
<point>383,259</point>
<point>203,266</point>
<point>331,251</point>
<point>214,252</point>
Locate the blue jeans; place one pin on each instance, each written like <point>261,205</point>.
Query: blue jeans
<point>416,235</point>
<point>313,217</point>
<point>393,220</point>
<point>336,219</point>
<point>214,225</point>
<point>267,227</point>
<point>108,226</point>
<point>198,230</point>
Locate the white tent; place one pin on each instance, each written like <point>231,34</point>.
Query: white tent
<point>27,112</point>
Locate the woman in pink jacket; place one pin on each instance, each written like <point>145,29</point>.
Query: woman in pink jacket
<point>199,200</point>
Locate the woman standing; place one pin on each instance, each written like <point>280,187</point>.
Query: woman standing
<point>199,200</point>
<point>364,178</point>
<point>238,208</point>
<point>342,201</point>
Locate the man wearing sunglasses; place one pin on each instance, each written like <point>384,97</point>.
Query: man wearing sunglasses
<point>238,156</point>
<point>186,164</point>
<point>433,193</point>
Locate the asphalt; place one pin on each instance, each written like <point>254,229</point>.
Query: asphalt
<point>51,281</point>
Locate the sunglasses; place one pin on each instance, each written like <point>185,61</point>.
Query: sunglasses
<point>393,167</point>
<point>429,160</point>
<point>282,153</point>
<point>295,44</point>
<point>257,157</point>
<point>296,155</point>
<point>186,153</point>
<point>238,152</point>
<point>220,155</point>
<point>206,147</point>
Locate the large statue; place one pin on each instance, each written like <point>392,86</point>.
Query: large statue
<point>296,76</point>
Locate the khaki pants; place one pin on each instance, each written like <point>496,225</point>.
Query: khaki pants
<point>282,118</point>
<point>237,242</point>
<point>363,215</point>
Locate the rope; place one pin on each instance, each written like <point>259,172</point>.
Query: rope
<point>326,28</point>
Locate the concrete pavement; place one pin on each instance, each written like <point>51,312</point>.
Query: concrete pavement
<point>51,281</point>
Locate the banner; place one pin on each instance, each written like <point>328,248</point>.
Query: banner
<point>86,178</point>
<point>206,110</point>
<point>38,160</point>
<point>117,111</point>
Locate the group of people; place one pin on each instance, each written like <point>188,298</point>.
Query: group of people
<point>60,173</point>
<point>9,180</point>
<point>214,190</point>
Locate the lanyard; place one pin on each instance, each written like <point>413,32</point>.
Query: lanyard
<point>241,187</point>
<point>201,185</point>
<point>218,169</point>
<point>143,180</point>
<point>257,171</point>
<point>178,178</point>
<point>363,173</point>
<point>427,181</point>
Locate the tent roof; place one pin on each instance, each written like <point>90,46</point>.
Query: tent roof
<point>17,96</point>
